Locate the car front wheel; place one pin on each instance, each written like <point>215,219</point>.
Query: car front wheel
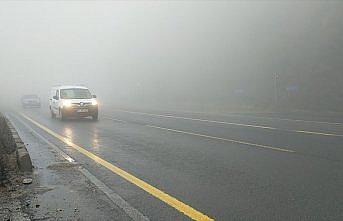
<point>63,116</point>
<point>53,115</point>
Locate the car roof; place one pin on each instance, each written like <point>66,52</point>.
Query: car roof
<point>69,87</point>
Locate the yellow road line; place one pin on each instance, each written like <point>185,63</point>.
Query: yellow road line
<point>171,201</point>
<point>237,124</point>
<point>223,139</point>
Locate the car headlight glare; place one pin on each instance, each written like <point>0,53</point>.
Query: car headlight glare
<point>94,102</point>
<point>66,103</point>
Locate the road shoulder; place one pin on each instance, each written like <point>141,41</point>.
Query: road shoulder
<point>59,190</point>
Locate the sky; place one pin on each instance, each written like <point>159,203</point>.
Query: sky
<point>165,53</point>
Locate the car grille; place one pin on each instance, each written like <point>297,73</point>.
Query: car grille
<point>82,104</point>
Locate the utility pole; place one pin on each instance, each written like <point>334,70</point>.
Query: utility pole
<point>276,89</point>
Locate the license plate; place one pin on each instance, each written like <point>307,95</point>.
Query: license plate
<point>82,110</point>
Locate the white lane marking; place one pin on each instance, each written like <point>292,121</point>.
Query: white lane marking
<point>217,138</point>
<point>133,213</point>
<point>223,139</point>
<point>115,119</point>
<point>235,124</point>
<point>319,133</point>
<point>201,120</point>
<point>287,119</point>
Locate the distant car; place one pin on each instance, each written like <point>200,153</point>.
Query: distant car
<point>73,101</point>
<point>30,100</point>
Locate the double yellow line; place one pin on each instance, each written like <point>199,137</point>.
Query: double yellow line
<point>170,200</point>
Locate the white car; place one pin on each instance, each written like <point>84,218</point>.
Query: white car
<point>73,101</point>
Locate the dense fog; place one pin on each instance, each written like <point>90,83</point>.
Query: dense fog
<point>187,55</point>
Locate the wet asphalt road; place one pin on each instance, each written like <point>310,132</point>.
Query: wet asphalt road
<point>229,167</point>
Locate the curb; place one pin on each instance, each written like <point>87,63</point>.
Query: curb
<point>18,157</point>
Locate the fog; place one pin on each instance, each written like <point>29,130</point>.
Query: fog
<point>172,54</point>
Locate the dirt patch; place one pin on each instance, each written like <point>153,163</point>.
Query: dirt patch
<point>11,197</point>
<point>42,189</point>
<point>63,166</point>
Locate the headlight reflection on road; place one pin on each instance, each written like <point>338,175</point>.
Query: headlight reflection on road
<point>68,133</point>
<point>95,140</point>
<point>95,143</point>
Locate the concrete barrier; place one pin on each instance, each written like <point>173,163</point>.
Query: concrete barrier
<point>14,156</point>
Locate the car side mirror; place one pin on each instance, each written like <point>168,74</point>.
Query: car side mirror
<point>94,96</point>
<point>55,97</point>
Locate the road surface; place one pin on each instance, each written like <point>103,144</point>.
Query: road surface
<point>183,166</point>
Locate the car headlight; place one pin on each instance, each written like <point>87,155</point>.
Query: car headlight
<point>66,103</point>
<point>94,102</point>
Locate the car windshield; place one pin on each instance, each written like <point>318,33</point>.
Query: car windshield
<point>75,93</point>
